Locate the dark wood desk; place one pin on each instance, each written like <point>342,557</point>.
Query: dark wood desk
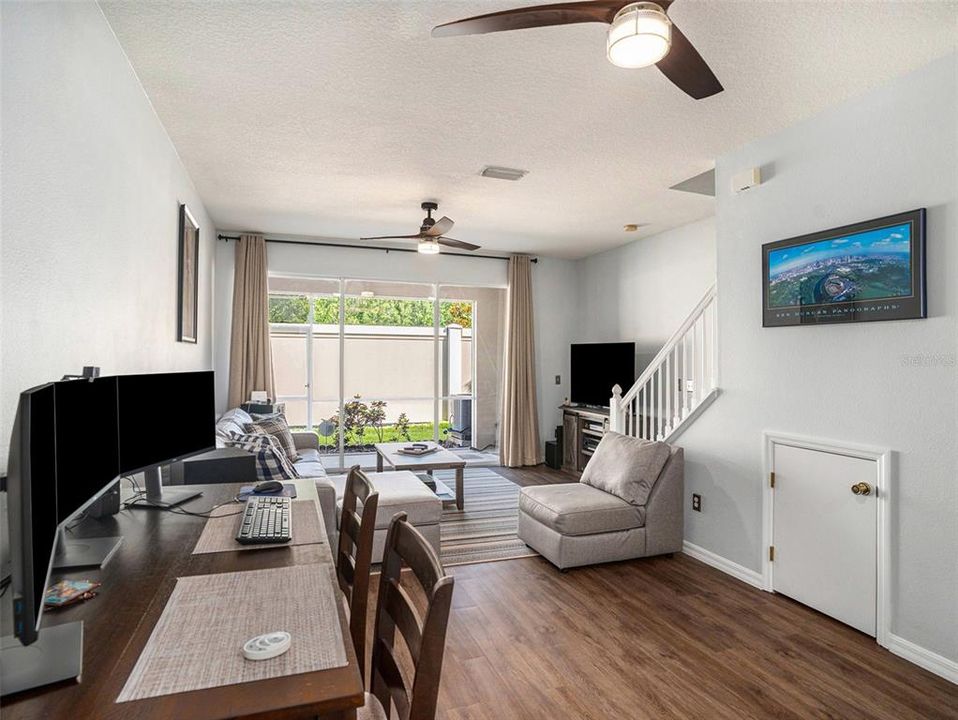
<point>136,584</point>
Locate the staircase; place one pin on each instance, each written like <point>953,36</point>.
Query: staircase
<point>678,384</point>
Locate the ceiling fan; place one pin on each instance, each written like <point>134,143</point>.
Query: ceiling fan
<point>431,233</point>
<point>640,34</point>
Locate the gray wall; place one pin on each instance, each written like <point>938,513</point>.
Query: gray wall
<point>92,186</point>
<point>891,150</point>
<point>643,291</point>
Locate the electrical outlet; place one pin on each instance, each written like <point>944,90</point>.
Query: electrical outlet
<point>558,379</point>
<point>696,502</point>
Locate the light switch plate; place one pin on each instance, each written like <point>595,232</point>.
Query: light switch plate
<point>558,379</point>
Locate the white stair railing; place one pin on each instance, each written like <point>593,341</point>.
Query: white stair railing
<point>678,384</point>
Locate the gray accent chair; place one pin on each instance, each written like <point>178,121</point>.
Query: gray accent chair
<point>575,524</point>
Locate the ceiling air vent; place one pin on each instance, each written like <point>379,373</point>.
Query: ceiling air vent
<point>503,173</point>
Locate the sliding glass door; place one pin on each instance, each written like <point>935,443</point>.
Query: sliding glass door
<point>389,365</point>
<point>366,361</point>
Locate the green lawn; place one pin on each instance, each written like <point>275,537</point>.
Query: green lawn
<point>418,432</point>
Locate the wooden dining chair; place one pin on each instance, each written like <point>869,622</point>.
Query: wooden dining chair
<point>424,635</point>
<point>355,555</point>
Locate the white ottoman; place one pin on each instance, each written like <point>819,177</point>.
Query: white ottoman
<point>399,491</point>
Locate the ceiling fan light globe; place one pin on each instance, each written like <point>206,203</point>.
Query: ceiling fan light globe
<point>428,247</point>
<point>639,36</point>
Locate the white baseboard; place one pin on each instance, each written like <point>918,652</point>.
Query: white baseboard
<point>740,572</point>
<point>930,661</point>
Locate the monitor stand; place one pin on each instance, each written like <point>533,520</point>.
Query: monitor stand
<point>84,552</point>
<point>57,655</point>
<point>158,496</point>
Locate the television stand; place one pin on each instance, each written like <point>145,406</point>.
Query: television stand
<point>582,428</point>
<point>158,496</point>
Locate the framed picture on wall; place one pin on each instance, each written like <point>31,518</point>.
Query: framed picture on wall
<point>872,270</point>
<point>189,257</point>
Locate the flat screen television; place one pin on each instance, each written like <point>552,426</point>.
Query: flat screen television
<point>597,367</point>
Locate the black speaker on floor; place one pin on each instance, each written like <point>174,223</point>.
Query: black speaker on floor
<point>554,454</point>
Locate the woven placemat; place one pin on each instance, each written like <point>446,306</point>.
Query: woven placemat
<point>219,533</point>
<point>197,642</point>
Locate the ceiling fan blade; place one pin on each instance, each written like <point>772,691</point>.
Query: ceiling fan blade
<point>687,70</point>
<point>450,242</point>
<point>440,227</point>
<point>530,17</point>
<point>394,237</point>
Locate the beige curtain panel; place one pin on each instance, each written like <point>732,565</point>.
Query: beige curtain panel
<point>251,364</point>
<point>519,444</point>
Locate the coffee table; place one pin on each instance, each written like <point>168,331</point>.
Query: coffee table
<point>442,459</point>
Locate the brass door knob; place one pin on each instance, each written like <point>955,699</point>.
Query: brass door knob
<point>862,488</point>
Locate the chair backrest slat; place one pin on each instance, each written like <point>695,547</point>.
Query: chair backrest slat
<point>424,635</point>
<point>404,615</point>
<point>386,675</point>
<point>346,570</point>
<point>354,555</point>
<point>419,557</point>
<point>350,523</point>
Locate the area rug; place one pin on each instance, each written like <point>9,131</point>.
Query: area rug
<point>485,530</point>
<point>477,458</point>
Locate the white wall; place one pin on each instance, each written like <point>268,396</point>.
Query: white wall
<point>643,291</point>
<point>555,297</point>
<point>892,150</point>
<point>90,197</point>
<point>553,280</point>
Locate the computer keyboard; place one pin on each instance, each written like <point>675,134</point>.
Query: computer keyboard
<point>266,520</point>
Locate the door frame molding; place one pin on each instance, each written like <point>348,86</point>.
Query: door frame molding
<point>882,457</point>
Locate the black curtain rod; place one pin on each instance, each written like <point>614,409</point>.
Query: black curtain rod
<point>227,238</point>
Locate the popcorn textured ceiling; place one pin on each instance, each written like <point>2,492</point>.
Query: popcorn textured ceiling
<point>335,119</point>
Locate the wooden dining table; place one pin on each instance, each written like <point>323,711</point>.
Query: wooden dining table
<point>136,583</point>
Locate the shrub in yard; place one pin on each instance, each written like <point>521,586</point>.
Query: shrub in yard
<point>376,415</point>
<point>402,427</point>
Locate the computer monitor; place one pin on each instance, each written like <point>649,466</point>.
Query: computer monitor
<point>57,653</point>
<point>71,440</point>
<point>63,455</point>
<point>87,464</point>
<point>32,509</point>
<point>87,442</point>
<point>164,417</point>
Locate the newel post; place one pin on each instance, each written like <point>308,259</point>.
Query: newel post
<point>615,412</point>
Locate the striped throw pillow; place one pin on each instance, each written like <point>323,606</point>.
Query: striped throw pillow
<point>276,427</point>
<point>271,461</point>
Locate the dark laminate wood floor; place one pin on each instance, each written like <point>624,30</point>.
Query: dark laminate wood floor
<point>660,638</point>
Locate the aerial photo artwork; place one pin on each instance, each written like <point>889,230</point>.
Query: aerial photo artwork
<point>865,266</point>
